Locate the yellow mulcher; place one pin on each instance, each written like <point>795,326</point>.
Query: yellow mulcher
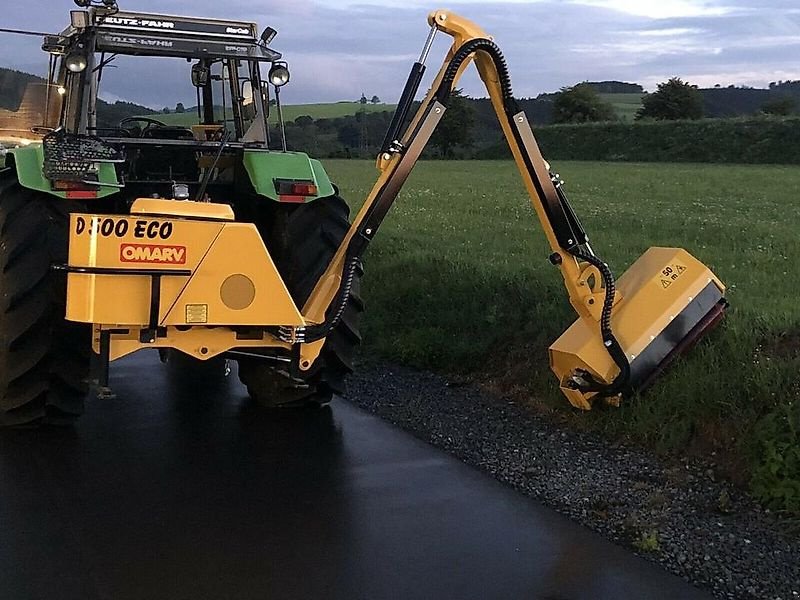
<point>205,278</point>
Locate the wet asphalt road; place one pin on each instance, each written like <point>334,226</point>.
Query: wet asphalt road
<point>189,492</point>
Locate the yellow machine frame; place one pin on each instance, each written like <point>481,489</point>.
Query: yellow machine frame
<point>186,290</point>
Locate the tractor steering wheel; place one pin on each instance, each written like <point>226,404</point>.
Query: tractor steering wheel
<point>150,123</point>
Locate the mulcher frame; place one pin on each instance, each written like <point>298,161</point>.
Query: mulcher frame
<point>651,316</point>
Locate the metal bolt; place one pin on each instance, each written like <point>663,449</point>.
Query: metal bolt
<point>369,231</point>
<point>386,156</point>
<point>437,110</point>
<point>521,119</point>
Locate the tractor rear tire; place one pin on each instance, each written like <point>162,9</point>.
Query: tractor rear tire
<point>310,236</point>
<point>44,359</point>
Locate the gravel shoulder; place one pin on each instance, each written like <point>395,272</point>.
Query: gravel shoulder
<point>675,513</point>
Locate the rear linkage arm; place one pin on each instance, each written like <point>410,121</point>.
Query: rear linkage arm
<point>571,251</point>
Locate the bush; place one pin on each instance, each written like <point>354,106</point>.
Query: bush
<point>581,104</point>
<point>776,475</point>
<point>675,99</point>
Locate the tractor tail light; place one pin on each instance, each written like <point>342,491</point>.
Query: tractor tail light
<point>75,189</point>
<point>295,190</point>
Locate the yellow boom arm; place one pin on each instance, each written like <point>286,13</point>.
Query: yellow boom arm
<point>391,164</point>
<point>588,359</point>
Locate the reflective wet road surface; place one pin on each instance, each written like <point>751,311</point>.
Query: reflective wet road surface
<point>176,491</point>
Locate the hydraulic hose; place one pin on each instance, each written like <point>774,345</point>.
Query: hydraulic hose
<point>314,333</point>
<point>493,50</point>
<point>612,345</point>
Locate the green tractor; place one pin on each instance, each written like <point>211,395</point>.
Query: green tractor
<point>65,158</point>
<point>206,239</point>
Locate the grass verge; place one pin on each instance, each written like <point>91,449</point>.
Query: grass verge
<point>458,281</point>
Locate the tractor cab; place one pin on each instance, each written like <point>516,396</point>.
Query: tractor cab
<point>226,67</point>
<point>226,60</point>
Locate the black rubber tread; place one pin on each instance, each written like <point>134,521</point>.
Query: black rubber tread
<point>309,237</point>
<point>44,359</point>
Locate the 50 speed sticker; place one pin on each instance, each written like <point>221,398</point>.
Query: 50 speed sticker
<point>671,273</point>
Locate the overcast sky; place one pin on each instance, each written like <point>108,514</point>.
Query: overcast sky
<point>339,49</point>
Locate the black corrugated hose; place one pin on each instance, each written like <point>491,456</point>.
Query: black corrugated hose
<point>314,333</point>
<point>620,383</point>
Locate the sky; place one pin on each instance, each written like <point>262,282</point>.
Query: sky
<point>338,49</point>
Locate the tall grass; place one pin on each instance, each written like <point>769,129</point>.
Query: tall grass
<point>458,281</point>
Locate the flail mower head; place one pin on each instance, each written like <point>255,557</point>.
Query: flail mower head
<point>666,301</point>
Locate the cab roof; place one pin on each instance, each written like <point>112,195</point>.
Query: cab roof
<point>184,37</point>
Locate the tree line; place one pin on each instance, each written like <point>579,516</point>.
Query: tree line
<point>674,99</point>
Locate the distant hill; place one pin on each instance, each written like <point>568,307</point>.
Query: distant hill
<point>741,101</point>
<point>626,98</point>
<point>330,110</point>
<point>626,105</point>
<point>721,102</point>
<point>13,85</point>
<point>602,87</point>
<point>615,87</point>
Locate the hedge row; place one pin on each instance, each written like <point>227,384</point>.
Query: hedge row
<point>752,140</point>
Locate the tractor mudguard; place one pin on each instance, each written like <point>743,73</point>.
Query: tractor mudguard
<point>267,168</point>
<point>28,161</point>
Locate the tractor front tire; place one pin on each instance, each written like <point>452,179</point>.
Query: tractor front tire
<point>310,236</point>
<point>44,359</point>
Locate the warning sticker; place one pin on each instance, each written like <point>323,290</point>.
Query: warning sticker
<point>197,313</point>
<point>670,273</point>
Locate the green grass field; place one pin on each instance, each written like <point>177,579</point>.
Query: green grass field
<point>458,281</point>
<point>290,112</point>
<point>625,105</point>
